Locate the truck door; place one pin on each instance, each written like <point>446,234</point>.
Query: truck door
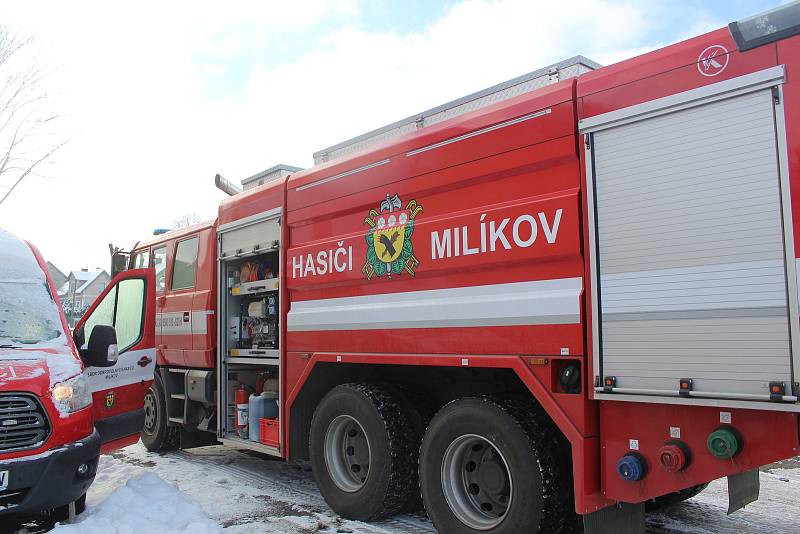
<point>176,313</point>
<point>160,266</point>
<point>127,304</point>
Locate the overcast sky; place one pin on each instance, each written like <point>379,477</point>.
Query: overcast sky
<point>157,97</point>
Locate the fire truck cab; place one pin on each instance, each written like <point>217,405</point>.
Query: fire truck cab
<point>571,302</point>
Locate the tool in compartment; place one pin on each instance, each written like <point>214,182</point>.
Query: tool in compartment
<point>259,323</point>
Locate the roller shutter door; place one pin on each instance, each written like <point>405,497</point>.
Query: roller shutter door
<point>690,251</point>
<point>254,237</point>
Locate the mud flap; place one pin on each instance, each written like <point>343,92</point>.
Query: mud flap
<point>743,489</point>
<point>621,518</point>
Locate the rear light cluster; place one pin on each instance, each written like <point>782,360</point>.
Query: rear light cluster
<point>723,443</point>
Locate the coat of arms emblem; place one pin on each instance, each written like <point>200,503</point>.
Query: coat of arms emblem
<point>110,399</point>
<point>389,247</point>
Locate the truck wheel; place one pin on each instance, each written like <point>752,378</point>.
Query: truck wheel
<point>156,434</point>
<point>495,465</point>
<point>665,501</point>
<point>362,452</point>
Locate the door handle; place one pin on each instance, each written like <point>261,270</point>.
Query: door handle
<point>162,300</point>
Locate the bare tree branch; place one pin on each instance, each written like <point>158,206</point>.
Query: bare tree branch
<point>25,121</point>
<point>185,220</point>
<point>29,170</point>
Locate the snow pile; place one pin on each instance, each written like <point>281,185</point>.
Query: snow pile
<point>144,504</point>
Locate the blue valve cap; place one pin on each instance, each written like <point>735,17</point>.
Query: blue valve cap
<point>632,467</point>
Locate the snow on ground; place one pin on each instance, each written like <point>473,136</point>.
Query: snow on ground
<point>228,491</point>
<point>777,511</point>
<point>237,490</point>
<point>144,504</point>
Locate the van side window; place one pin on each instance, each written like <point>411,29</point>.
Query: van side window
<point>141,260</point>
<point>122,308</point>
<point>102,314</point>
<point>129,312</point>
<point>185,267</point>
<point>160,265</point>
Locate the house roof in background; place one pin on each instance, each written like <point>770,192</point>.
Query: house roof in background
<point>54,268</point>
<point>85,277</point>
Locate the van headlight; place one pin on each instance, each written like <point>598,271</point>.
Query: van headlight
<point>72,395</point>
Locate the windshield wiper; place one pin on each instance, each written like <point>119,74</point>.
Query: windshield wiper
<point>7,346</point>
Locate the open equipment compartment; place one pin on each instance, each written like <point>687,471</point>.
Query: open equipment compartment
<point>252,291</point>
<point>249,326</point>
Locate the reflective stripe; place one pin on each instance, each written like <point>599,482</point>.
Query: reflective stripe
<point>520,303</point>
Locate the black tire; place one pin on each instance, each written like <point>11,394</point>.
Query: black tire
<point>390,477</point>
<point>537,492</point>
<point>157,435</point>
<point>671,499</point>
<point>419,415</point>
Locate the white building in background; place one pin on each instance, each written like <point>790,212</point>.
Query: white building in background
<point>82,287</point>
<point>273,173</point>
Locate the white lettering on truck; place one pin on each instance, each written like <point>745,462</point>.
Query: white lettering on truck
<point>453,242</point>
<point>323,262</point>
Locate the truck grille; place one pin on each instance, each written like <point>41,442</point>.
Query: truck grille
<point>23,423</point>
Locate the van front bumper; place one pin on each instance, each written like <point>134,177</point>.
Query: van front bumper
<point>50,479</point>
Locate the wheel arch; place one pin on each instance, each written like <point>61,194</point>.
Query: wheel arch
<point>444,379</point>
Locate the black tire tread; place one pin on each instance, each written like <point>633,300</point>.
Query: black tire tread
<point>552,452</point>
<point>418,414</point>
<point>171,438</point>
<point>552,455</point>
<point>402,472</point>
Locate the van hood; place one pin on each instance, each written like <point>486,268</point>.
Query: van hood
<point>36,370</point>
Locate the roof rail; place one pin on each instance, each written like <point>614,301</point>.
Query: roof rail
<point>574,66</point>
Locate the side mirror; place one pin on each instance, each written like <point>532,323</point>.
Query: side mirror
<point>102,350</point>
<point>119,261</point>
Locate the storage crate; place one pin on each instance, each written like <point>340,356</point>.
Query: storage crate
<point>270,433</point>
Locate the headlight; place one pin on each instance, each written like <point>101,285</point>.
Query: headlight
<point>72,395</point>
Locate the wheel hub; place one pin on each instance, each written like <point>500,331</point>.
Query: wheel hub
<point>347,453</point>
<point>476,482</point>
<point>150,414</point>
<point>491,477</point>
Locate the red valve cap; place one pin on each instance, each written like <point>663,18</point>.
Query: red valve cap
<point>672,458</point>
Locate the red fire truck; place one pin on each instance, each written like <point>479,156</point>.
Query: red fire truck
<point>572,302</point>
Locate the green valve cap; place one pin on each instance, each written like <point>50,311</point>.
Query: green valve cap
<point>723,444</point>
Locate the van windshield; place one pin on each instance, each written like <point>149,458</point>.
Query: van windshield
<point>28,312</point>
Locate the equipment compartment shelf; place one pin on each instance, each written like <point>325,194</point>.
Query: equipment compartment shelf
<point>254,353</point>
<point>261,360</point>
<point>253,288</point>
